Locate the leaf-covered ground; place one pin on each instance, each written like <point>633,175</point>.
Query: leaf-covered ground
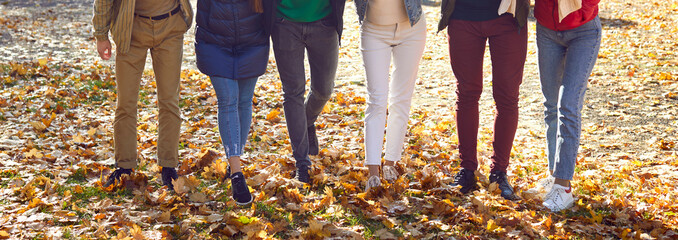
<point>57,103</point>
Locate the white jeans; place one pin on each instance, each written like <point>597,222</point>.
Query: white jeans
<point>378,42</point>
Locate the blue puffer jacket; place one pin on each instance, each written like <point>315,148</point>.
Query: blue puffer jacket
<point>230,40</point>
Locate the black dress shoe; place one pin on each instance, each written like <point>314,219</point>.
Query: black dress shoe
<point>466,179</point>
<point>169,174</point>
<point>502,181</point>
<point>116,175</point>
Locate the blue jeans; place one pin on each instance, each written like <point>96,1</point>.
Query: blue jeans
<point>566,59</point>
<point>234,98</point>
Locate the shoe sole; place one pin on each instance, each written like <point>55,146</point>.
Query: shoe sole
<point>568,206</point>
<point>244,204</point>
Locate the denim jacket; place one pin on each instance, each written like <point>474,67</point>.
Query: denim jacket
<point>413,8</point>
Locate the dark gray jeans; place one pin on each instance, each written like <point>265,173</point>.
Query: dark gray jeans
<point>290,40</point>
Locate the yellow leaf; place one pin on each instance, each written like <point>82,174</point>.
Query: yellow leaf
<point>38,126</point>
<point>48,122</point>
<point>4,234</point>
<point>19,69</point>
<point>349,187</point>
<point>388,223</point>
<point>165,217</point>
<point>180,185</point>
<point>317,229</point>
<point>597,218</point>
<point>491,226</point>
<point>665,76</point>
<point>273,116</point>
<point>136,233</point>
<point>91,132</point>
<point>198,197</point>
<point>78,189</point>
<point>192,182</point>
<point>245,220</point>
<point>34,153</point>
<point>78,139</point>
<point>42,61</point>
<point>494,188</point>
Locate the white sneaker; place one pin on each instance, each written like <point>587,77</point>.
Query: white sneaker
<point>373,181</point>
<point>559,198</point>
<point>390,173</point>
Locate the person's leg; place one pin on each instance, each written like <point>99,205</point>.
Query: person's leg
<point>322,46</point>
<point>232,108</point>
<point>508,50</point>
<point>582,52</point>
<point>166,55</point>
<point>289,49</point>
<point>129,67</point>
<point>551,56</point>
<point>467,47</point>
<point>406,56</point>
<point>376,52</point>
<point>227,91</point>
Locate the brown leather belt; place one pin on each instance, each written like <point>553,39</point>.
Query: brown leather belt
<point>163,16</point>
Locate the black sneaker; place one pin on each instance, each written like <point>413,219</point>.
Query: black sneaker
<point>169,174</point>
<point>241,193</point>
<point>303,175</point>
<point>506,189</point>
<point>115,176</point>
<point>312,141</point>
<point>466,179</point>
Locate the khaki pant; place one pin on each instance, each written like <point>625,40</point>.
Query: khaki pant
<point>165,40</point>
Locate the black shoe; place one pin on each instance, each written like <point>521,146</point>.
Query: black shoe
<point>303,175</point>
<point>312,141</point>
<point>169,174</point>
<point>502,181</point>
<point>115,176</point>
<point>466,179</point>
<point>241,193</point>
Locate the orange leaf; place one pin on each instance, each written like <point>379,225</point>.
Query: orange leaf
<point>273,116</point>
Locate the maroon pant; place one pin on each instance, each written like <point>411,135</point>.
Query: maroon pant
<point>508,49</point>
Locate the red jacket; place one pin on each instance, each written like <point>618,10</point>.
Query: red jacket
<point>546,12</point>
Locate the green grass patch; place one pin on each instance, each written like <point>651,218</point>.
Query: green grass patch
<point>371,226</point>
<point>79,176</point>
<point>89,193</point>
<point>67,234</point>
<point>7,176</point>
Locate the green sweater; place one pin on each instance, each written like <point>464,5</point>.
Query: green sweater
<point>304,10</point>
